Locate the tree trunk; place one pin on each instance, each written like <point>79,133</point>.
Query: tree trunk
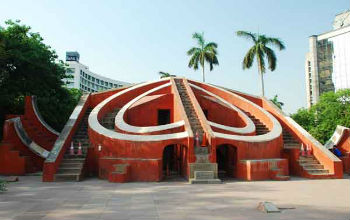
<point>203,73</point>
<point>262,83</point>
<point>261,78</point>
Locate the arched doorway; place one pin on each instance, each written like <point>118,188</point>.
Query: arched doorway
<point>226,158</point>
<point>174,162</point>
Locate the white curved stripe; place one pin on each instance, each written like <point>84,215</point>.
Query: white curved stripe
<point>25,139</point>
<point>275,132</point>
<point>249,128</point>
<point>95,125</point>
<point>121,124</point>
<point>40,118</point>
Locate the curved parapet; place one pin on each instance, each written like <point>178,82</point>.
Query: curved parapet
<point>249,128</point>
<point>26,140</point>
<point>40,118</point>
<point>340,134</point>
<point>121,125</point>
<point>97,97</point>
<point>138,144</point>
<point>241,103</point>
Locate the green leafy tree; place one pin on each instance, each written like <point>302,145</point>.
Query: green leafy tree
<point>165,74</point>
<point>29,67</point>
<point>277,102</point>
<point>205,52</point>
<point>261,50</point>
<point>322,118</point>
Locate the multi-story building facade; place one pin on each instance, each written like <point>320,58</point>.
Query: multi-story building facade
<point>327,66</point>
<point>84,79</point>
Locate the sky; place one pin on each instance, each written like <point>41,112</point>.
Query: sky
<point>132,40</point>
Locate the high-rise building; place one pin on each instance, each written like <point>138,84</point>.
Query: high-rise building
<point>327,66</point>
<point>84,79</point>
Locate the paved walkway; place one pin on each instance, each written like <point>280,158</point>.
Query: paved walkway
<point>97,199</point>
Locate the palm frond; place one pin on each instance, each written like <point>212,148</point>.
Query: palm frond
<point>193,50</point>
<point>276,42</point>
<point>247,35</point>
<point>194,61</point>
<point>211,46</point>
<point>271,58</point>
<point>249,58</point>
<point>200,38</point>
<point>211,59</point>
<point>164,74</point>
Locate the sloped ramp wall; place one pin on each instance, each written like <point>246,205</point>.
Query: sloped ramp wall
<point>64,139</point>
<point>323,155</point>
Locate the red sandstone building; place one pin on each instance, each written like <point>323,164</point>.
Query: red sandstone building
<point>170,127</point>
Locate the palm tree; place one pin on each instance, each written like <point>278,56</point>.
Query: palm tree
<point>259,50</point>
<point>278,103</point>
<point>165,74</point>
<point>206,52</point>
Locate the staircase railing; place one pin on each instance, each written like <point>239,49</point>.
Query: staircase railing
<point>181,109</point>
<point>209,135</point>
<point>64,139</point>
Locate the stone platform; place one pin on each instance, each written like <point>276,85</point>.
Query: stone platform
<point>90,199</point>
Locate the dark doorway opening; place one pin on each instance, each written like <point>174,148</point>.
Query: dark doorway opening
<point>163,116</point>
<point>174,162</point>
<point>226,158</point>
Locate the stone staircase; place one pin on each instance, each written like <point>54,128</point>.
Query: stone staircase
<point>202,171</point>
<point>289,141</point>
<point>312,166</point>
<point>189,109</point>
<point>108,121</point>
<point>71,167</point>
<point>260,127</point>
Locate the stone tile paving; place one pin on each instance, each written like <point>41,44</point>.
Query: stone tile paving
<point>31,199</point>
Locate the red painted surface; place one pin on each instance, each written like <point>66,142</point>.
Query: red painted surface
<point>344,143</point>
<point>247,160</point>
<point>344,147</point>
<point>15,157</point>
<point>262,169</point>
<point>35,129</point>
<point>50,168</point>
<point>333,164</point>
<point>145,111</point>
<point>120,177</point>
<point>98,97</point>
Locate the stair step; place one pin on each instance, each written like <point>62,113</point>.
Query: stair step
<point>312,166</point>
<point>71,165</point>
<point>69,170</point>
<point>203,181</point>
<point>73,160</point>
<point>315,170</point>
<point>67,177</point>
